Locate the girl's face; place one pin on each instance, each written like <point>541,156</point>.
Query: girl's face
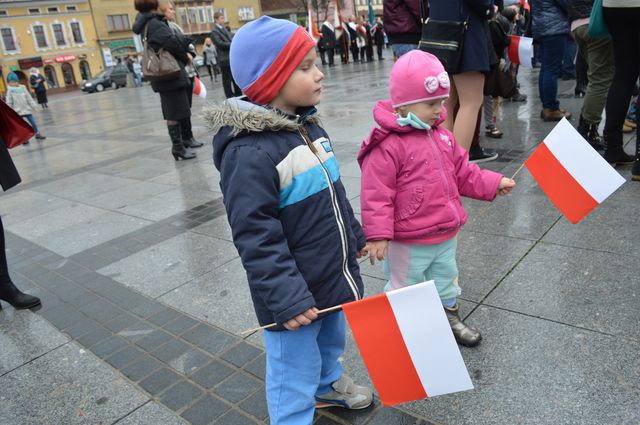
<point>168,11</point>
<point>427,111</point>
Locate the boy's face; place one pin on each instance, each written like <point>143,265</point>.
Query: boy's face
<point>303,87</point>
<point>428,111</point>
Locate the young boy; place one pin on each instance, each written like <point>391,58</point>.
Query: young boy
<point>290,218</point>
<point>19,98</point>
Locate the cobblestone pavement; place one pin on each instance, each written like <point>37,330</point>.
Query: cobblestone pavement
<point>144,297</point>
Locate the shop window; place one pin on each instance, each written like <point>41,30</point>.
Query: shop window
<point>85,71</point>
<point>68,75</point>
<point>50,75</point>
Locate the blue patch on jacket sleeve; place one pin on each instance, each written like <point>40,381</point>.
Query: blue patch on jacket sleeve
<point>327,146</point>
<point>309,183</point>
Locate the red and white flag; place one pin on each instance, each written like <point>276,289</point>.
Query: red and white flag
<point>312,28</point>
<point>571,173</point>
<point>407,345</point>
<point>199,89</point>
<point>521,51</point>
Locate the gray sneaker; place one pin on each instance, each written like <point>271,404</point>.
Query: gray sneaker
<point>345,394</point>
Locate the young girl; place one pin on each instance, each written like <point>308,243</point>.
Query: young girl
<point>413,174</point>
<point>19,98</point>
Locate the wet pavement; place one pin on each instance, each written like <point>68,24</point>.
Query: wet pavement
<point>144,296</point>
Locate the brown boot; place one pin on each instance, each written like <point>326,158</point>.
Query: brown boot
<point>464,334</point>
<point>554,114</point>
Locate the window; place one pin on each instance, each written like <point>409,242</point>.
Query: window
<point>118,22</point>
<point>209,13</point>
<point>192,15</point>
<point>182,12</point>
<point>76,32</point>
<point>245,13</point>
<point>3,13</point>
<point>201,15</point>
<point>224,13</point>
<point>52,9</point>
<point>8,40</point>
<point>40,36</point>
<point>58,34</point>
<point>71,8</point>
<point>34,10</point>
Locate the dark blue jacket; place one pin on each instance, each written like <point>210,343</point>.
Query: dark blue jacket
<point>288,210</point>
<point>550,17</point>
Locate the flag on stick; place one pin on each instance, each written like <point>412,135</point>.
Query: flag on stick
<point>199,89</point>
<point>313,29</point>
<point>571,173</point>
<point>521,50</point>
<point>407,345</point>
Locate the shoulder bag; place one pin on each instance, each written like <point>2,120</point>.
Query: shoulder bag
<point>158,65</point>
<point>443,39</point>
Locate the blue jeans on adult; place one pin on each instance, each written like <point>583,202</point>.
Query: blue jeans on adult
<point>300,365</point>
<point>568,65</point>
<point>551,52</point>
<point>400,49</point>
<point>32,121</point>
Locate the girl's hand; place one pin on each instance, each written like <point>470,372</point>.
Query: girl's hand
<point>363,252</point>
<point>505,186</point>
<point>377,249</point>
<point>302,319</point>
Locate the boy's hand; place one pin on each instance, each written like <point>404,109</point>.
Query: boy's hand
<point>377,249</point>
<point>302,319</point>
<point>363,252</point>
<point>505,186</point>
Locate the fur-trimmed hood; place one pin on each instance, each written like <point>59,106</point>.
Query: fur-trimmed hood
<point>237,116</point>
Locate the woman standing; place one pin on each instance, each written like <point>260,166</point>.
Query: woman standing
<point>175,94</point>
<point>210,59</point>
<point>467,84</point>
<point>37,84</point>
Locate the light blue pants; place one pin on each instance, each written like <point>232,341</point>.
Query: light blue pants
<point>300,365</point>
<point>408,264</point>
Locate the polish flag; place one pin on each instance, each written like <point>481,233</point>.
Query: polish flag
<point>572,174</point>
<point>313,29</point>
<point>521,50</point>
<point>407,345</point>
<point>199,89</point>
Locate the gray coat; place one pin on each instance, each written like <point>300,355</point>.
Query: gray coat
<point>550,17</point>
<point>221,38</point>
<point>210,55</point>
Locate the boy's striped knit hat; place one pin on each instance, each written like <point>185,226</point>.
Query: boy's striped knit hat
<point>264,53</point>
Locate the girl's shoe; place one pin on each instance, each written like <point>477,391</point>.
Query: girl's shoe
<point>15,297</point>
<point>465,335</point>
<point>40,136</point>
<point>345,394</point>
<point>493,132</point>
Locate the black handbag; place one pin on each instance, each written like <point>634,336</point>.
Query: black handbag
<point>443,39</point>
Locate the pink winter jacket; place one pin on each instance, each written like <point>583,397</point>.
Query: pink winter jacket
<point>412,181</point>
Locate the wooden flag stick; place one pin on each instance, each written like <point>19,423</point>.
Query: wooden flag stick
<point>517,171</point>
<point>273,325</point>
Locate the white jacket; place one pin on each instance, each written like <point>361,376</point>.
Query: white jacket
<point>19,98</point>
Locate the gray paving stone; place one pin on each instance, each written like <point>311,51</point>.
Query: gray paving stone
<point>587,381</point>
<point>241,354</point>
<point>579,287</point>
<point>137,331</point>
<point>122,322</point>
<point>171,263</point>
<point>152,413</point>
<point>60,388</point>
<point>167,203</point>
<point>205,411</point>
<point>218,228</point>
<point>109,346</point>
<point>212,374</point>
<point>391,416</point>
<point>237,387</point>
<point>141,368</point>
<point>256,405</point>
<point>24,336</point>
<point>209,338</point>
<point>189,361</point>
<point>180,324</point>
<point>180,395</point>
<point>233,417</point>
<point>101,310</point>
<point>124,357</point>
<point>153,340</point>
<point>171,350</point>
<point>94,337</point>
<point>257,367</point>
<point>163,316</point>
<point>159,380</point>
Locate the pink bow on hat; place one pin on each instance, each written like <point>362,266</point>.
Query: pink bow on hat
<point>432,83</point>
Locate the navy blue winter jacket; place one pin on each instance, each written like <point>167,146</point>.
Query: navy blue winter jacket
<point>550,17</point>
<point>290,218</point>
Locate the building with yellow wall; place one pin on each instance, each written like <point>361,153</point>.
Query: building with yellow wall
<point>238,12</point>
<point>113,20</point>
<point>56,36</point>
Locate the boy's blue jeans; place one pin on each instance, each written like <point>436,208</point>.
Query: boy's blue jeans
<point>300,365</point>
<point>551,50</point>
<point>32,122</point>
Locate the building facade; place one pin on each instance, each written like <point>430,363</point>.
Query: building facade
<point>238,12</point>
<point>55,36</point>
<point>293,10</point>
<point>113,20</point>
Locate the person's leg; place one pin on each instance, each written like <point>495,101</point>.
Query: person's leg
<point>581,74</point>
<point>552,52</point>
<point>469,87</point>
<point>451,105</point>
<point>32,122</point>
<point>294,365</point>
<point>331,54</point>
<point>379,49</point>
<point>210,69</point>
<point>626,52</point>
<point>226,81</point>
<point>487,107</point>
<point>405,264</point>
<point>568,67</point>
<point>402,48</point>
<point>8,291</point>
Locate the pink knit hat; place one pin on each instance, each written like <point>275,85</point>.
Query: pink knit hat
<point>417,77</point>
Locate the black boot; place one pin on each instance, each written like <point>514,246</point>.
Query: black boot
<point>187,135</point>
<point>590,132</point>
<point>15,297</point>
<point>178,149</point>
<point>635,171</point>
<point>613,152</point>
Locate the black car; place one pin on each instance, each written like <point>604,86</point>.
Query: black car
<point>114,77</point>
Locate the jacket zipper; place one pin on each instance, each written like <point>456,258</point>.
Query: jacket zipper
<point>452,46</point>
<point>336,209</point>
<point>444,174</point>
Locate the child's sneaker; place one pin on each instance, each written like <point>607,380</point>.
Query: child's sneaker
<point>345,394</point>
<point>464,334</point>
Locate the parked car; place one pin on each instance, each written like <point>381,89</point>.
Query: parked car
<point>114,77</point>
